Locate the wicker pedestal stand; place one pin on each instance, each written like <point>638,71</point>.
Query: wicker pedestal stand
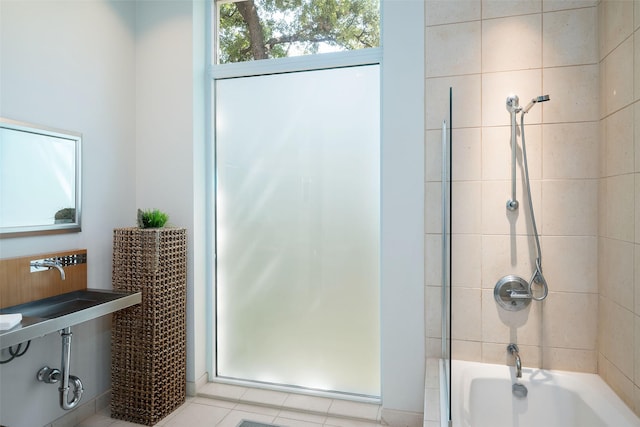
<point>148,345</point>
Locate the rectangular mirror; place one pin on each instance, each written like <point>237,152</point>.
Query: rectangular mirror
<point>39,179</point>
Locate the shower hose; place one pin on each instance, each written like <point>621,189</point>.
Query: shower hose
<point>537,277</point>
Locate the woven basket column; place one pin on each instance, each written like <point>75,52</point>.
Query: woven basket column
<point>148,345</point>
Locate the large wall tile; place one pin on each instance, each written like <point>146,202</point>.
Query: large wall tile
<point>433,199</point>
<point>513,43</point>
<point>453,49</point>
<point>636,276</point>
<point>568,207</point>
<point>618,70</point>
<point>573,92</point>
<point>467,304</point>
<point>636,129</point>
<point>497,219</point>
<point>466,260</point>
<point>497,353</point>
<point>466,101</point>
<point>449,12</point>
<point>467,154</point>
<point>466,218</point>
<point>637,210</point>
<point>496,87</point>
<point>620,207</point>
<point>433,155</point>
<point>617,272</point>
<point>576,313</point>
<point>570,263</point>
<point>466,350</point>
<point>619,142</point>
<point>618,23</point>
<point>621,384</point>
<point>505,255</point>
<point>433,259</point>
<point>570,150</point>
<point>433,311</point>
<point>636,349</point>
<point>568,359</point>
<point>621,350</point>
<point>502,326</point>
<point>602,212</point>
<point>497,154</point>
<point>551,5</point>
<point>501,8</point>
<point>636,62</point>
<point>568,37</point>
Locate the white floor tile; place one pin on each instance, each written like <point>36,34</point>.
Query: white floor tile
<point>345,408</point>
<point>286,422</point>
<point>302,416</point>
<point>264,397</point>
<point>308,403</point>
<point>235,417</point>
<point>219,390</point>
<point>197,415</point>
<point>286,410</point>
<point>256,409</point>
<point>345,422</point>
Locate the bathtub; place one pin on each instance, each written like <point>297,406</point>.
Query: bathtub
<point>482,397</point>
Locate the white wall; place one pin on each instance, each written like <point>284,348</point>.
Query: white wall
<point>402,243</point>
<point>170,80</point>
<point>70,65</point>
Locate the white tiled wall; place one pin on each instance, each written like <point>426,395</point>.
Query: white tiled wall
<point>584,159</point>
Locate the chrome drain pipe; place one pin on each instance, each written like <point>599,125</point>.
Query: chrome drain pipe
<point>52,376</point>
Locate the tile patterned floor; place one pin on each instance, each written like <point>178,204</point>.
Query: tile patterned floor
<point>279,408</point>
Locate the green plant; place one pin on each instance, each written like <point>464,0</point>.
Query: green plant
<point>151,218</point>
<point>66,213</point>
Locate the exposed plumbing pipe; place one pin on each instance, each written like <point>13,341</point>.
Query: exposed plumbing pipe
<point>66,364</point>
<point>52,376</point>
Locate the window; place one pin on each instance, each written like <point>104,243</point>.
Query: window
<point>265,29</point>
<point>298,203</point>
<point>297,198</point>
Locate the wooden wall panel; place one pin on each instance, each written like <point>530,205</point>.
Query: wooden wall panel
<point>18,285</point>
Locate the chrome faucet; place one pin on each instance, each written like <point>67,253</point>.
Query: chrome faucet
<point>513,349</point>
<point>39,264</point>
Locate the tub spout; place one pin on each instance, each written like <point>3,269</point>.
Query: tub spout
<point>513,349</point>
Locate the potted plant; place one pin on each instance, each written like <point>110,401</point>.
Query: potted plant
<point>65,215</point>
<point>152,218</point>
<point>148,356</point>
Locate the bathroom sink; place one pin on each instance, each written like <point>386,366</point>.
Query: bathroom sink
<point>60,305</point>
<point>58,312</point>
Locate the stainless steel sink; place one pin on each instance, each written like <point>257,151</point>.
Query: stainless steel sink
<point>58,312</point>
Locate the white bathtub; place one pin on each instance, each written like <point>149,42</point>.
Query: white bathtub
<point>482,397</point>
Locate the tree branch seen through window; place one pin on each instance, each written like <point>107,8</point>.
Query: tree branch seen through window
<point>262,29</point>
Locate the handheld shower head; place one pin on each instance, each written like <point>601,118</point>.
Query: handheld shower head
<point>541,98</point>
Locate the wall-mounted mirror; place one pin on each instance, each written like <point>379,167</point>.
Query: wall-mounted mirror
<point>39,179</point>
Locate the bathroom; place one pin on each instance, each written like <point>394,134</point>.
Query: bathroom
<point>124,58</point>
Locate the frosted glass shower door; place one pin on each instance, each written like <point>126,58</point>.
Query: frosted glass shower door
<point>297,225</point>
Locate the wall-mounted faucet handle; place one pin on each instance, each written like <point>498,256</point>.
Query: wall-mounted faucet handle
<point>42,264</point>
